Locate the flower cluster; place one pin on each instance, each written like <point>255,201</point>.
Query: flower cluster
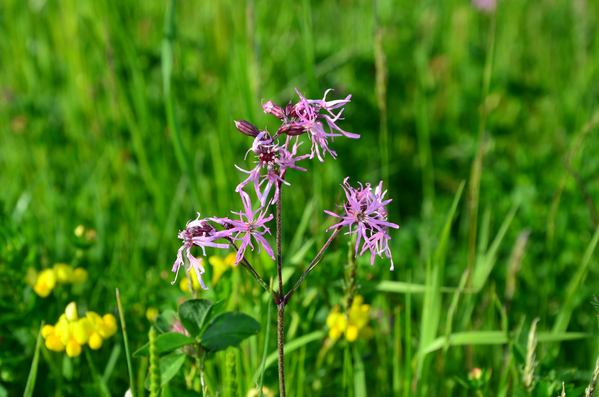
<point>46,280</point>
<point>352,324</point>
<point>365,214</point>
<point>274,155</point>
<point>72,332</point>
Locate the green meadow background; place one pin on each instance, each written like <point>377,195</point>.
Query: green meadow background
<point>118,115</point>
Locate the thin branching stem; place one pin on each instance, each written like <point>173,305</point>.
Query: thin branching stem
<point>247,265</point>
<point>311,266</point>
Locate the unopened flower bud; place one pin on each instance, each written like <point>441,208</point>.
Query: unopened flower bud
<point>247,128</point>
<point>292,129</point>
<point>275,110</point>
<point>71,312</point>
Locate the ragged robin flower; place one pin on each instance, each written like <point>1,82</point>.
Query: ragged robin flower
<point>73,332</point>
<point>353,324</point>
<point>365,214</point>
<point>201,233</point>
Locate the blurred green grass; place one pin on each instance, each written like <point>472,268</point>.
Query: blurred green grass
<point>85,139</point>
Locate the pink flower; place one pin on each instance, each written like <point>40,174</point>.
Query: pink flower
<point>275,160</point>
<point>310,116</point>
<point>365,215</point>
<point>250,224</point>
<point>485,5</point>
<point>201,233</point>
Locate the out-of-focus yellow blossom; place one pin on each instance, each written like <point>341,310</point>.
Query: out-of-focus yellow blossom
<point>45,281</point>
<point>266,392</point>
<point>84,233</point>
<point>151,314</point>
<point>71,332</point>
<point>220,266</point>
<point>63,272</point>
<point>351,325</point>
<point>79,275</point>
<point>184,284</point>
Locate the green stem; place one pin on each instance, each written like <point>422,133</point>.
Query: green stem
<point>126,342</point>
<point>280,297</point>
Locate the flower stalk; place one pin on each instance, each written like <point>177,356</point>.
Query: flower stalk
<point>363,214</point>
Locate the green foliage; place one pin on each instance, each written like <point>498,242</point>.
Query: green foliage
<point>193,313</point>
<point>228,329</point>
<point>118,116</point>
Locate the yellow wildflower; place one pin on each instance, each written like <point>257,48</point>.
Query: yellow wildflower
<point>95,341</point>
<point>151,314</point>
<point>266,392</point>
<point>46,280</point>
<point>73,348</point>
<point>220,266</point>
<point>184,284</point>
<point>71,312</point>
<point>72,332</point>
<point>63,272</point>
<point>352,325</point>
<point>79,275</point>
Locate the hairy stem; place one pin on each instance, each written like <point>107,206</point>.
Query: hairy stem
<point>311,266</point>
<point>280,298</point>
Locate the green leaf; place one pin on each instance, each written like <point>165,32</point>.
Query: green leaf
<point>193,313</point>
<point>473,338</point>
<point>169,366</point>
<point>165,343</point>
<point>229,329</point>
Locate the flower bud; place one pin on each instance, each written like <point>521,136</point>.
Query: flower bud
<point>71,312</point>
<point>270,108</point>
<point>247,128</point>
<point>292,129</point>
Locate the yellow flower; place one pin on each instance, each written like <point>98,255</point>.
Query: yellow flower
<point>79,275</point>
<point>71,332</point>
<point>151,314</point>
<point>184,284</point>
<point>351,334</point>
<point>110,327</point>
<point>95,341</point>
<point>71,312</point>
<point>53,343</point>
<point>45,283</point>
<point>63,272</point>
<point>352,325</point>
<point>220,266</point>
<point>73,348</point>
<point>266,392</point>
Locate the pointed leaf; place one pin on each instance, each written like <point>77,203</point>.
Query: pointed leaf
<point>193,313</point>
<point>229,329</point>
<point>169,366</point>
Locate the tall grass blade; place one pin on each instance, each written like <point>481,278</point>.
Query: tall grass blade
<point>31,379</point>
<point>431,312</point>
<point>126,342</point>
<point>563,317</point>
<point>485,265</point>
